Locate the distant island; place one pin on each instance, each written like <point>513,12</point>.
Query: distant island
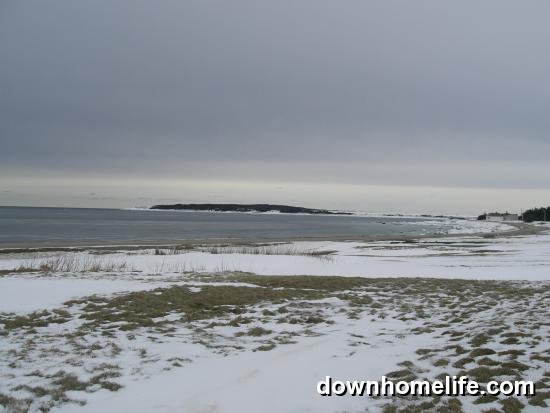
<point>284,209</point>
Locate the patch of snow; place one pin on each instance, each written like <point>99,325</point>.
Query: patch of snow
<point>25,294</point>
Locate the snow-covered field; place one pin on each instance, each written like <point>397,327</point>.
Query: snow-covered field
<point>247,328</point>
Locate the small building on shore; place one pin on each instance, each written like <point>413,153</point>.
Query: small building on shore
<point>498,217</point>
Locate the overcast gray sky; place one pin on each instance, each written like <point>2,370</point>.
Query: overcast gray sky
<point>383,105</point>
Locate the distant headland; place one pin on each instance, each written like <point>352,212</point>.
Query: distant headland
<point>283,209</point>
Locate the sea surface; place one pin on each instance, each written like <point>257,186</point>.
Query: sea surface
<point>29,226</point>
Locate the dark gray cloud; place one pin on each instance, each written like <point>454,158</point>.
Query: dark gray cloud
<point>376,92</point>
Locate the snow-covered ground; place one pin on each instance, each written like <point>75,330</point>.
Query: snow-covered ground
<point>280,380</point>
<point>463,226</point>
<point>83,355</point>
<point>45,293</point>
<point>468,257</point>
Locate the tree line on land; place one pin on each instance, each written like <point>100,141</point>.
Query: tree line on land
<point>285,209</point>
<point>537,214</point>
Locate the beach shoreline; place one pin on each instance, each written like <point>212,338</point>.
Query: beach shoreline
<point>520,229</point>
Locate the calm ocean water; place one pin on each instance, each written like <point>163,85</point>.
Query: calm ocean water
<point>25,226</point>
